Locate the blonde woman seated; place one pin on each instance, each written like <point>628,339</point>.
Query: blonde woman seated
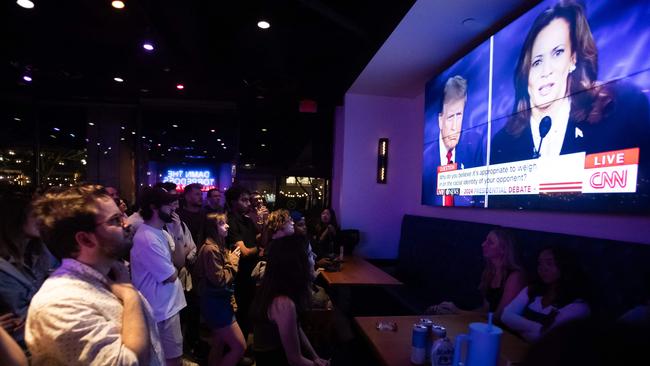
<point>502,279</point>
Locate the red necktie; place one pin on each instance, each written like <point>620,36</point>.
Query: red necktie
<point>449,199</point>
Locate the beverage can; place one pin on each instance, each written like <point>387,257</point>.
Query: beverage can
<point>438,332</point>
<point>429,324</point>
<point>419,344</point>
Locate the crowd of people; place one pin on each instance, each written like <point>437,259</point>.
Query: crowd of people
<point>84,283</point>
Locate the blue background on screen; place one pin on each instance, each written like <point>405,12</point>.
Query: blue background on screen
<point>475,69</point>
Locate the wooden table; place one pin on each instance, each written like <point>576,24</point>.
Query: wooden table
<point>356,271</point>
<point>394,348</point>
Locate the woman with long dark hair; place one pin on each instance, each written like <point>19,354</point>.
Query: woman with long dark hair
<point>282,298</point>
<point>556,89</point>
<point>215,271</point>
<point>556,296</point>
<point>326,237</point>
<point>25,262</point>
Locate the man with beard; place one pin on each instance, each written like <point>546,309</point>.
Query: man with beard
<point>154,267</point>
<point>87,311</point>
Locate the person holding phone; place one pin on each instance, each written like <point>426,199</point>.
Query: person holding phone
<point>215,271</point>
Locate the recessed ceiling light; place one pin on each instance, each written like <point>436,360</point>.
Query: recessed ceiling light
<point>25,4</point>
<point>17,119</point>
<point>118,4</point>
<point>264,130</point>
<point>52,136</point>
<point>90,124</point>
<point>263,145</point>
<point>193,140</point>
<point>263,24</point>
<point>224,147</point>
<point>213,131</point>
<point>118,79</point>
<point>180,86</point>
<point>72,135</point>
<point>27,78</point>
<point>132,132</point>
<point>148,46</point>
<point>124,128</point>
<point>175,126</point>
<point>121,138</point>
<point>56,129</point>
<point>218,139</point>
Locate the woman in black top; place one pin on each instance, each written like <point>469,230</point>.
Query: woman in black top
<point>283,295</point>
<point>326,237</point>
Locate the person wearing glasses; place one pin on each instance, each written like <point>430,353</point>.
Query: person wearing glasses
<point>88,312</point>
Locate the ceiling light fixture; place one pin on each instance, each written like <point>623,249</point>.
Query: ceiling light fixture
<point>213,131</point>
<point>56,129</point>
<point>148,46</point>
<point>27,78</point>
<point>180,86</point>
<point>25,4</point>
<point>118,4</point>
<point>263,24</point>
<point>264,130</point>
<point>118,79</point>
<point>90,124</point>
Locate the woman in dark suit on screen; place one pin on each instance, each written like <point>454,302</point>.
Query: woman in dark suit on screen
<point>557,95</point>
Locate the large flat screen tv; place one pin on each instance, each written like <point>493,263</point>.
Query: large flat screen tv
<point>550,113</point>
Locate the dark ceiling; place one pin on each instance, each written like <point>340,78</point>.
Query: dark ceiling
<point>238,78</point>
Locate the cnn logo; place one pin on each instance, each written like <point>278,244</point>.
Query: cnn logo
<point>613,179</point>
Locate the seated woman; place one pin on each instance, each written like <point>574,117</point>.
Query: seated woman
<point>215,271</point>
<point>555,297</point>
<point>25,262</point>
<point>502,279</point>
<point>282,297</point>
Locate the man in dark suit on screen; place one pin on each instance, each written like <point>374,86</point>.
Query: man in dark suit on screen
<point>449,151</point>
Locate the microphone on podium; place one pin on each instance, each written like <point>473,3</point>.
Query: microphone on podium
<point>544,127</point>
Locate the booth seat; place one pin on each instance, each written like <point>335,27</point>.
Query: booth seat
<point>441,260</point>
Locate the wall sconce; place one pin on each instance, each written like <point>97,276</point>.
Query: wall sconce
<point>382,160</point>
